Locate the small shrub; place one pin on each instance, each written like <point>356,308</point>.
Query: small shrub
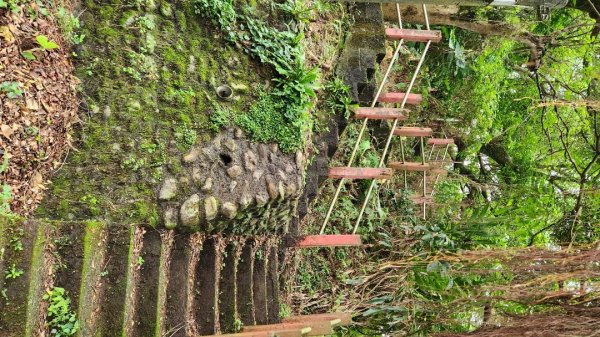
<point>61,320</point>
<point>219,118</point>
<point>11,89</point>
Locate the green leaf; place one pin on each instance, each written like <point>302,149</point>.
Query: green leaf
<point>28,55</point>
<point>45,43</point>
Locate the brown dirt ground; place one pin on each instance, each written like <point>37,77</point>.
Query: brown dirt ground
<point>34,127</point>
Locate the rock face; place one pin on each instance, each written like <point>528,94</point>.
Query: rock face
<point>227,178</point>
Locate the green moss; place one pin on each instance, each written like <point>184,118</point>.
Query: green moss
<point>37,270</point>
<point>93,250</point>
<point>161,97</point>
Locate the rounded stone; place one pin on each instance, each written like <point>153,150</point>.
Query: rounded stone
<point>168,190</point>
<point>299,159</point>
<point>261,199</point>
<point>230,144</point>
<point>250,160</point>
<point>235,171</point>
<point>272,187</point>
<point>189,213</point>
<point>245,201</point>
<point>211,208</point>
<point>208,185</point>
<point>229,210</point>
<point>191,156</point>
<point>170,218</point>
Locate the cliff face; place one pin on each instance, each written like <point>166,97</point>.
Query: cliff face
<point>150,149</point>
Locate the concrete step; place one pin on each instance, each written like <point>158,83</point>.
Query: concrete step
<point>136,282</point>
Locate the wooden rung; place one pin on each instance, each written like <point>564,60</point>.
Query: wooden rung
<point>422,200</point>
<point>438,172</point>
<point>345,318</point>
<point>440,141</point>
<point>409,166</point>
<point>411,131</point>
<point>380,113</point>
<point>437,163</point>
<point>334,240</point>
<point>310,328</point>
<point>413,35</point>
<point>398,97</point>
<point>270,333</point>
<point>360,173</point>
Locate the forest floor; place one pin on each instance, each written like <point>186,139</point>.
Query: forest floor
<point>38,104</point>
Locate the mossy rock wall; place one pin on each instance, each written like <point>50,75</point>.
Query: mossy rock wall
<point>149,71</point>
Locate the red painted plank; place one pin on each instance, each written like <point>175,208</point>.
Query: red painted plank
<point>271,333</point>
<point>345,318</point>
<point>334,240</point>
<point>380,113</point>
<point>397,97</point>
<point>409,166</point>
<point>413,35</point>
<point>411,131</point>
<point>440,141</point>
<point>360,173</point>
<point>316,328</point>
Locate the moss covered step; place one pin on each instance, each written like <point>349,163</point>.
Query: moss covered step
<point>135,281</point>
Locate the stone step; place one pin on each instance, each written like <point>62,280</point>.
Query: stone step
<point>398,97</point>
<point>137,282</point>
<point>380,113</point>
<point>440,141</point>
<point>273,285</point>
<point>413,131</point>
<point>413,35</point>
<point>245,294</point>
<point>228,286</point>
<point>333,240</point>
<point>360,173</point>
<point>259,277</point>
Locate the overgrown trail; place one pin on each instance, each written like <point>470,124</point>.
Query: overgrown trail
<point>137,282</point>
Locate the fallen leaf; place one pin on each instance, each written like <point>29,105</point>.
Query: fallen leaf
<point>6,34</point>
<point>6,130</point>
